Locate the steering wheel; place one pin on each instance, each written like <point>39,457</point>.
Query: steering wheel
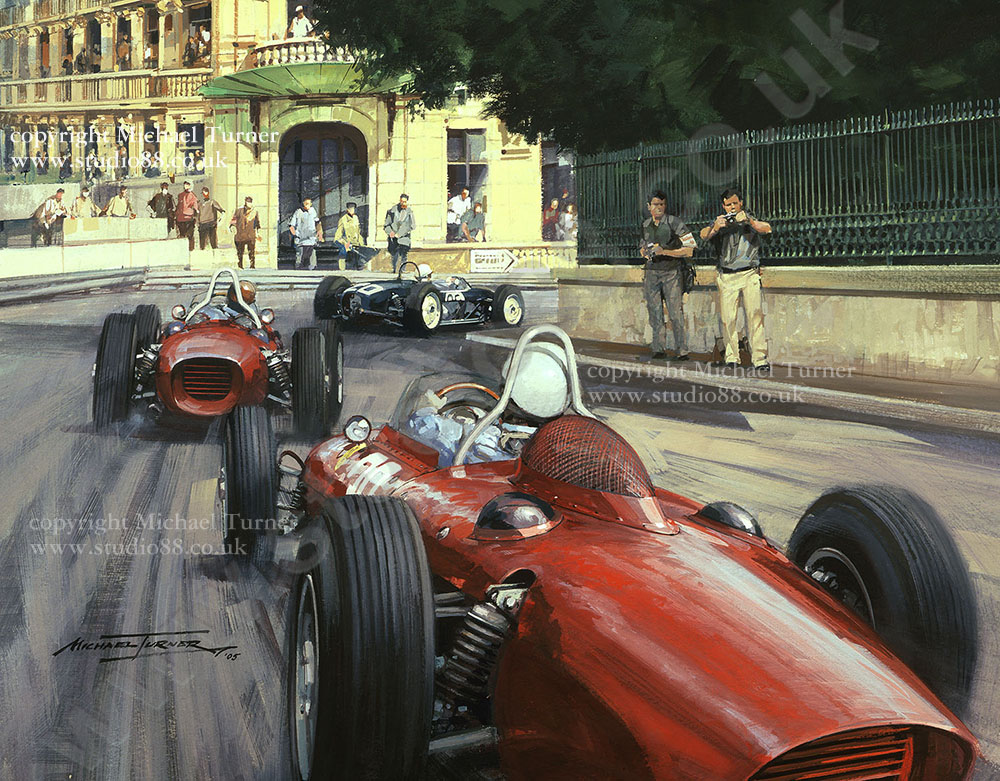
<point>465,407</point>
<point>406,263</point>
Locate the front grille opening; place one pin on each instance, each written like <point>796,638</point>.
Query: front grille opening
<point>884,754</point>
<point>206,379</point>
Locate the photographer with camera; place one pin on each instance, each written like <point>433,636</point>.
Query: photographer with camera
<point>735,236</point>
<point>666,242</point>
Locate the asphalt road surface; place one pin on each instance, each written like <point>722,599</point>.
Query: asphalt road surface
<point>219,712</point>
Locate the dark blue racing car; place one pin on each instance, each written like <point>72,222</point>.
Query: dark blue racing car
<point>417,302</point>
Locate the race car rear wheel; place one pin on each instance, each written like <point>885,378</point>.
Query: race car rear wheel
<point>361,644</point>
<point>114,371</point>
<point>312,382</point>
<point>147,325</point>
<point>248,479</point>
<point>885,553</point>
<point>508,306</point>
<point>335,366</point>
<point>423,310</point>
<point>326,302</point>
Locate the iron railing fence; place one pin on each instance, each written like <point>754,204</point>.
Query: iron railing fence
<point>917,183</point>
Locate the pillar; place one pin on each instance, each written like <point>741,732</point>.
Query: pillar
<point>108,42</point>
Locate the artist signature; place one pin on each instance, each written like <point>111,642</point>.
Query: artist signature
<point>133,646</point>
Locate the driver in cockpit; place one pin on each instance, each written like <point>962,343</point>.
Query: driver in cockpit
<point>232,306</point>
<point>540,393</point>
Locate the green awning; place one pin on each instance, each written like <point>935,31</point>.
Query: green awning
<point>292,79</point>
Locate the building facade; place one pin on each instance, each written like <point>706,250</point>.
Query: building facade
<point>217,92</point>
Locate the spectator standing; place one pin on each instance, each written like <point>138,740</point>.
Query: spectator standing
<point>46,217</point>
<point>95,59</point>
<point>162,206</point>
<point>147,56</point>
<point>665,241</point>
<point>735,237</point>
<point>67,66</point>
<point>190,52</point>
<point>348,240</point>
<point>186,215</point>
<point>474,224</point>
<point>123,52</point>
<point>82,64</point>
<point>306,230</point>
<point>42,163</point>
<point>457,207</point>
<point>399,225</point>
<point>83,205</point>
<point>204,41</point>
<point>121,158</point>
<point>208,218</point>
<point>245,225</point>
<point>550,219</point>
<point>567,225</point>
<point>120,205</point>
<point>301,26</point>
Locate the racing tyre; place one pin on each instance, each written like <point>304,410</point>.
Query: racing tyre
<point>508,306</point>
<point>885,553</point>
<point>311,382</point>
<point>361,644</point>
<point>249,478</point>
<point>335,366</point>
<point>114,371</point>
<point>147,325</point>
<point>423,311</point>
<point>326,302</point>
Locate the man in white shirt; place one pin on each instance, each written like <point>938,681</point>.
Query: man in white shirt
<point>301,26</point>
<point>457,207</point>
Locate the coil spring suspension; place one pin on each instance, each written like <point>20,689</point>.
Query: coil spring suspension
<point>466,673</point>
<point>280,377</point>
<point>144,364</point>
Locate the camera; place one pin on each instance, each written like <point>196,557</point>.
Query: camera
<point>730,216</point>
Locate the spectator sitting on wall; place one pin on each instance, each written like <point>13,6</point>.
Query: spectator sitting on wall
<point>190,52</point>
<point>120,205</point>
<point>474,224</point>
<point>82,65</point>
<point>301,26</point>
<point>457,207</point>
<point>46,217</point>
<point>550,219</point>
<point>566,227</point>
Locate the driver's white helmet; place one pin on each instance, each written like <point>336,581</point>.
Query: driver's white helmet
<point>424,271</point>
<point>541,387</point>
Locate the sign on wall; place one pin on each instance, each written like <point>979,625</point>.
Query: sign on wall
<point>492,260</point>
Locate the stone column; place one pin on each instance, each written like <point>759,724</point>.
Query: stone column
<point>137,23</point>
<point>168,147</point>
<point>34,64</point>
<point>161,46</point>
<point>108,21</point>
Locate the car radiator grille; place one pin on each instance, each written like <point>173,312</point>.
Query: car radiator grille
<point>206,379</point>
<point>865,755</point>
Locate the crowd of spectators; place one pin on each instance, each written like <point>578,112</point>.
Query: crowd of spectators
<point>559,220</point>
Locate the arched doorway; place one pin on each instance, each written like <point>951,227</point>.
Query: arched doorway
<point>328,162</point>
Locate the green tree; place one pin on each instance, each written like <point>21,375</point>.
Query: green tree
<point>595,74</point>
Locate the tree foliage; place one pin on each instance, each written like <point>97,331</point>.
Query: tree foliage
<point>595,74</point>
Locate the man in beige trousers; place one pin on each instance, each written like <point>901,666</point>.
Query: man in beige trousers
<point>735,236</point>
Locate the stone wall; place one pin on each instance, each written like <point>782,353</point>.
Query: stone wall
<point>920,322</point>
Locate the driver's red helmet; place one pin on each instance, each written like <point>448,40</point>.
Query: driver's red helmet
<point>247,289</point>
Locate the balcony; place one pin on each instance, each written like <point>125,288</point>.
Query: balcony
<point>294,67</point>
<point>294,50</point>
<point>113,89</point>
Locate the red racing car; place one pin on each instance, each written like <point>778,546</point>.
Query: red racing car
<point>222,357</point>
<point>494,569</point>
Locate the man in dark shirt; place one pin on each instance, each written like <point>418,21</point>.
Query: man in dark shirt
<point>162,206</point>
<point>735,237</point>
<point>208,216</point>
<point>665,242</point>
<point>474,224</point>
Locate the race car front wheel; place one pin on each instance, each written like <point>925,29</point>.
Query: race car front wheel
<point>508,306</point>
<point>423,311</point>
<point>147,325</point>
<point>114,370</point>
<point>248,479</point>
<point>360,687</point>
<point>312,382</point>
<point>885,554</point>
<point>326,302</point>
<point>335,366</point>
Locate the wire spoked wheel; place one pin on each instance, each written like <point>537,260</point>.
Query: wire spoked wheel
<point>836,573</point>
